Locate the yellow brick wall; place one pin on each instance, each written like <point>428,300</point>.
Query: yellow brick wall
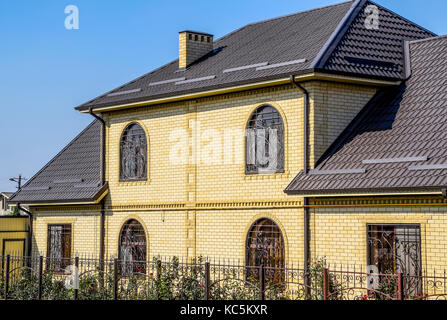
<point>340,234</point>
<point>85,222</point>
<point>222,233</point>
<point>205,209</point>
<point>165,231</point>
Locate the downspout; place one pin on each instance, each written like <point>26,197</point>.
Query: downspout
<point>29,248</point>
<point>103,179</point>
<point>305,170</point>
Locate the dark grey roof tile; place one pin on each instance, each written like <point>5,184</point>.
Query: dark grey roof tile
<point>78,161</point>
<point>407,121</point>
<point>298,36</point>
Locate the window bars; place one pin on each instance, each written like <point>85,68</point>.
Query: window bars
<point>59,246</point>
<point>132,248</point>
<point>265,142</point>
<point>397,249</point>
<point>133,153</point>
<point>265,247</point>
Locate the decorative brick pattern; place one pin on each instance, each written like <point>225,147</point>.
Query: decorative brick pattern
<point>339,234</point>
<point>207,209</point>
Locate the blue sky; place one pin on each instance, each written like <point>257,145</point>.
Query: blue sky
<point>46,70</point>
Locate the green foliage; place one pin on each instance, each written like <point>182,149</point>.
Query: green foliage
<point>15,212</point>
<point>96,285</point>
<point>316,280</point>
<point>235,289</point>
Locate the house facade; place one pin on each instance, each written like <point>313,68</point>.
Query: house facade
<point>4,205</point>
<point>284,141</point>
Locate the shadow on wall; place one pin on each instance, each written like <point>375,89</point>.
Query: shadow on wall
<point>375,118</point>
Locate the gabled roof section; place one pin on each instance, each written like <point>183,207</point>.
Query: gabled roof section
<point>331,39</point>
<point>398,142</point>
<point>7,194</point>
<point>363,49</point>
<point>73,175</point>
<point>288,44</point>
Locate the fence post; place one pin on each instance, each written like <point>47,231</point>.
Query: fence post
<point>325,284</point>
<point>158,269</point>
<point>207,280</point>
<point>261,282</point>
<point>400,286</point>
<point>39,285</point>
<point>76,290</point>
<point>115,279</point>
<point>8,260</point>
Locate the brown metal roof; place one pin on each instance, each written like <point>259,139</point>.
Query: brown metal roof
<point>73,175</point>
<point>392,136</point>
<point>332,39</point>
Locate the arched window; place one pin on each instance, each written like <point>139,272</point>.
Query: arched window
<point>132,248</point>
<point>264,146</point>
<point>133,153</point>
<point>265,246</point>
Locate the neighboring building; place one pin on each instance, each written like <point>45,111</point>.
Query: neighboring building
<point>344,154</point>
<point>14,236</point>
<point>5,209</point>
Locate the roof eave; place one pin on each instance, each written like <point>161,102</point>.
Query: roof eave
<point>368,192</point>
<point>96,199</point>
<point>302,75</point>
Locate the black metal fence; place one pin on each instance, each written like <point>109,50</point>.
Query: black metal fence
<point>42,278</point>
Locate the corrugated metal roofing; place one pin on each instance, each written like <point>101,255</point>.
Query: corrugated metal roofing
<point>407,122</point>
<point>307,37</point>
<point>72,175</point>
<point>375,51</point>
<point>283,39</point>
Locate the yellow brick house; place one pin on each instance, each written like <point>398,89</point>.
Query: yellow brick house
<point>304,136</point>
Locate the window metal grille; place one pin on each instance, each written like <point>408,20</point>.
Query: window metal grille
<point>59,246</point>
<point>395,249</point>
<point>264,143</point>
<point>265,246</point>
<point>133,154</point>
<point>132,249</point>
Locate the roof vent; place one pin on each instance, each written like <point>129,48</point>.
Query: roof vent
<point>192,46</point>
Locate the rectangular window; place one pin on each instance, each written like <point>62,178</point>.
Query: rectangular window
<point>397,249</point>
<point>59,246</point>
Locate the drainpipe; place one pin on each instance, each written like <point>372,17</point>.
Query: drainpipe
<point>30,229</point>
<point>305,170</point>
<point>103,179</point>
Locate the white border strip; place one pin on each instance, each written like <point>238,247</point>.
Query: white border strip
<point>329,172</point>
<point>428,167</point>
<point>282,64</point>
<point>195,80</point>
<point>395,160</point>
<point>262,64</point>
<point>166,81</point>
<point>123,92</point>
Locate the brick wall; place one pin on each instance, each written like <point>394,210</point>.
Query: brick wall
<point>201,208</point>
<point>340,234</point>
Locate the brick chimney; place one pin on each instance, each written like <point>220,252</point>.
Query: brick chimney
<point>192,46</point>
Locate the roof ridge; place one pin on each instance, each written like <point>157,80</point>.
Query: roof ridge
<point>429,39</point>
<point>55,157</point>
<point>280,17</point>
<point>403,18</point>
<point>299,12</point>
<point>338,34</point>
